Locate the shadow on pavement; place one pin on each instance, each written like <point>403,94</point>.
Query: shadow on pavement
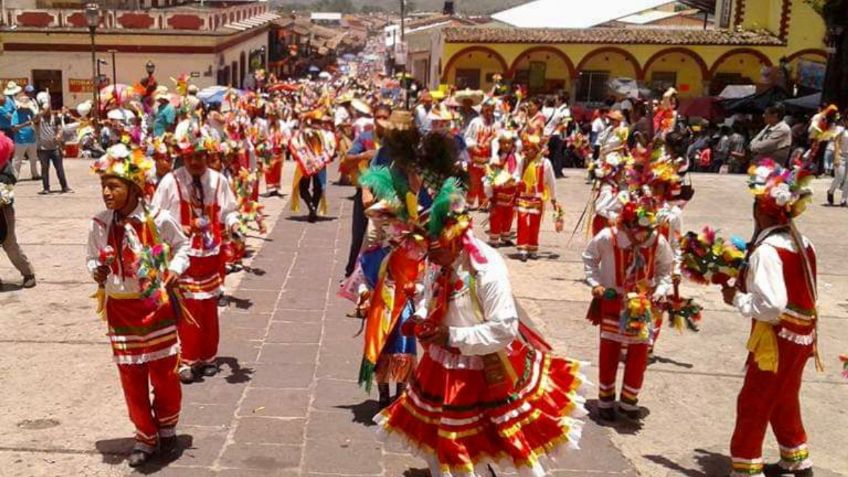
<point>416,473</point>
<point>116,451</point>
<point>364,412</point>
<point>240,303</point>
<point>622,425</point>
<point>305,218</point>
<point>664,360</point>
<point>711,463</point>
<point>238,375</point>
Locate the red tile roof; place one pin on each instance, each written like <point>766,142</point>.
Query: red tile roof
<point>644,36</point>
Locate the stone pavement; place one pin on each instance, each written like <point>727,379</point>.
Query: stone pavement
<point>287,402</point>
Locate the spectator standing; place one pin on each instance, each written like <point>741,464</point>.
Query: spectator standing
<point>738,150</point>
<point>599,125</point>
<point>49,139</point>
<point>7,109</point>
<point>721,153</point>
<point>422,113</point>
<point>840,164</point>
<point>8,238</point>
<point>165,117</point>
<point>775,140</point>
<point>22,121</point>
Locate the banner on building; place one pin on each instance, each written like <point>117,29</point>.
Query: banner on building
<point>80,85</point>
<point>22,82</point>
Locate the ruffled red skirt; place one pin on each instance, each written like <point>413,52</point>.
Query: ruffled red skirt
<point>459,420</point>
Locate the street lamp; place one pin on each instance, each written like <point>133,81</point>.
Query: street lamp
<point>92,19</point>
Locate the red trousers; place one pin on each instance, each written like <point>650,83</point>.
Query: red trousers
<point>530,212</point>
<point>199,344</point>
<point>273,174</point>
<point>155,419</point>
<point>634,373</point>
<point>771,398</point>
<point>500,221</point>
<point>475,185</point>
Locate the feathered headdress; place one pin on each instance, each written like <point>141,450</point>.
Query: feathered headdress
<point>638,213</point>
<point>130,165</point>
<point>181,83</point>
<point>449,217</point>
<point>780,192</point>
<point>390,187</point>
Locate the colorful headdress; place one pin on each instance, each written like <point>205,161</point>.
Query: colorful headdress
<point>130,165</point>
<point>780,192</point>
<point>390,187</point>
<point>449,217</point>
<point>638,213</point>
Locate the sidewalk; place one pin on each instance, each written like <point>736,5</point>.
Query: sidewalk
<point>287,402</point>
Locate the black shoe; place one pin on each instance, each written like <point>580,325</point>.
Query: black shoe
<point>29,281</point>
<point>67,190</point>
<point>829,198</point>
<point>775,470</point>
<point>607,414</point>
<point>209,370</point>
<point>507,243</point>
<point>138,458</point>
<point>168,445</point>
<point>44,192</point>
<point>313,217</point>
<point>223,301</point>
<point>523,257</point>
<point>187,375</point>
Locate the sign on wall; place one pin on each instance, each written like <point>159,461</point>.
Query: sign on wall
<point>80,85</point>
<point>22,82</point>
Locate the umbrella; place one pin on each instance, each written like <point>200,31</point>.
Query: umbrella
<point>325,75</point>
<point>755,103</point>
<point>804,103</point>
<point>708,108</point>
<point>120,114</point>
<point>215,94</point>
<point>314,69</point>
<point>736,91</point>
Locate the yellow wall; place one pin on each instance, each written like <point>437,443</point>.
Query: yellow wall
<point>689,76</point>
<point>477,60</point>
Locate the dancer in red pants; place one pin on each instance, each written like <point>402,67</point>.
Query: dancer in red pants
<point>777,291</point>
<point>631,258</point>
<point>500,185</point>
<point>478,139</point>
<point>537,186</point>
<point>205,204</point>
<point>142,328</point>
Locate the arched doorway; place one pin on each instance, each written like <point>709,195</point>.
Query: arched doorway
<point>680,68</point>
<point>543,70</point>
<point>807,68</point>
<point>598,67</point>
<point>740,66</point>
<point>473,67</point>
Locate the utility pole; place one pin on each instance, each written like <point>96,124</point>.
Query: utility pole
<point>403,79</point>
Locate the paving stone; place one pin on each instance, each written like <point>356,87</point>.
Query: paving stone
<point>339,365</point>
<point>175,470</point>
<point>257,473</point>
<point>245,320</point>
<point>297,316</point>
<point>256,301</point>
<point>332,393</point>
<point>353,426</point>
<point>294,333</point>
<point>260,402</point>
<point>212,391</point>
<point>353,458</point>
<point>242,350</point>
<point>303,300</point>
<point>269,430</point>
<point>210,415</point>
<point>404,466</point>
<point>284,375</point>
<point>289,353</point>
<point>244,334</point>
<point>206,443</point>
<point>262,457</point>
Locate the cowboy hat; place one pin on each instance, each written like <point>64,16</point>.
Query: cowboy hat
<point>475,96</point>
<point>360,106</point>
<point>440,114</point>
<point>12,89</point>
<point>399,120</point>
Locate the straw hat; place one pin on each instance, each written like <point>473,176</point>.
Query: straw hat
<point>12,89</point>
<point>440,114</point>
<point>475,96</point>
<point>360,106</point>
<point>399,120</point>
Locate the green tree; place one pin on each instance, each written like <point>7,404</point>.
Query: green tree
<point>835,15</point>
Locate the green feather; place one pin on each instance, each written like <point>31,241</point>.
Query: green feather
<point>441,207</point>
<point>379,179</point>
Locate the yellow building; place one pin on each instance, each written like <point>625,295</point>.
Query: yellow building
<point>749,39</point>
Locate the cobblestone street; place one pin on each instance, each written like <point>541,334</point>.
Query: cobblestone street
<point>286,402</point>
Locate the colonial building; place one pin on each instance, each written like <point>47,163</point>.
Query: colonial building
<point>744,44</point>
<point>214,42</point>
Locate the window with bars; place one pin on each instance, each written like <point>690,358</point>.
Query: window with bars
<point>592,86</point>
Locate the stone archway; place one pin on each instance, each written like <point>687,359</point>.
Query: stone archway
<point>473,67</point>
<point>737,66</point>
<point>556,74</point>
<point>679,67</point>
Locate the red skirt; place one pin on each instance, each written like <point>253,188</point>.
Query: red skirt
<point>460,422</point>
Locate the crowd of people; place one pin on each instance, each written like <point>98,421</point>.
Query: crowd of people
<point>476,384</point>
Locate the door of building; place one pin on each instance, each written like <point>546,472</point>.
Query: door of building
<point>49,80</point>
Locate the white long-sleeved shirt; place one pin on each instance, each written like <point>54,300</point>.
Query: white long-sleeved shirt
<point>473,132</point>
<point>607,203</point>
<point>471,333</point>
<point>766,298</point>
<point>673,216</point>
<point>216,190</point>
<point>170,233</point>
<point>600,267</point>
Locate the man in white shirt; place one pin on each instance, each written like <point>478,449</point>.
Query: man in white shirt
<point>839,164</point>
<point>422,113</point>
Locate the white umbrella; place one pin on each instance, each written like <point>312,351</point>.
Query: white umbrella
<point>120,114</point>
<point>325,75</point>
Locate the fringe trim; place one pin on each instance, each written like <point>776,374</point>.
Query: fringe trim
<point>147,357</point>
<point>803,340</point>
<point>366,374</point>
<point>394,367</point>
